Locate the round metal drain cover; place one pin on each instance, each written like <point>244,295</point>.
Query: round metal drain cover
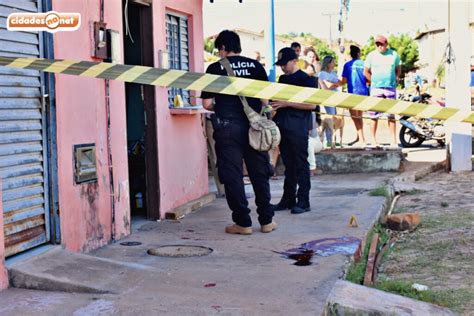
<point>130,243</point>
<point>180,251</point>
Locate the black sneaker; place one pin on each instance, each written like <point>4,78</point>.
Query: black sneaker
<point>283,206</point>
<point>299,210</point>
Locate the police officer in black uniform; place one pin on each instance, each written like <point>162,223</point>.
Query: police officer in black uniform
<point>294,121</point>
<point>232,142</point>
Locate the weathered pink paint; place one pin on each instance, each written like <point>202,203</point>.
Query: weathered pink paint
<point>3,270</point>
<point>113,16</point>
<point>85,209</point>
<point>181,144</point>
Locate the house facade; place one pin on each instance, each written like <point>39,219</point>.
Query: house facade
<point>80,158</point>
<point>432,44</point>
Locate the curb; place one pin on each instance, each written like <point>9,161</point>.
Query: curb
<point>22,280</point>
<point>416,175</point>
<point>333,307</point>
<point>59,270</point>
<point>347,298</point>
<point>385,207</point>
<point>20,276</point>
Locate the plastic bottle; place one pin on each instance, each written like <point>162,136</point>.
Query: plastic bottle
<point>139,200</point>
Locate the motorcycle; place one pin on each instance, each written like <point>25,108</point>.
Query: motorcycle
<point>415,131</point>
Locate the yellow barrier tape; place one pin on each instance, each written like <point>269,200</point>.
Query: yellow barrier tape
<point>236,86</point>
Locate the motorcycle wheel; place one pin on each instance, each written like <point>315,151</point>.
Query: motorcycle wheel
<point>409,138</point>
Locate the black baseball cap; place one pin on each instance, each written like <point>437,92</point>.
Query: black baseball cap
<point>285,55</point>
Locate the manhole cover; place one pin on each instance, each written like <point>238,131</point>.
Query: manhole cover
<point>180,251</point>
<point>130,243</point>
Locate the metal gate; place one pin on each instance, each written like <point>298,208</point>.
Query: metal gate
<point>22,138</point>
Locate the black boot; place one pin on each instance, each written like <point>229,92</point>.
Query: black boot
<point>284,204</point>
<point>300,208</point>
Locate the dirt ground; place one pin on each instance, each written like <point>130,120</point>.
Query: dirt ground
<point>440,252</point>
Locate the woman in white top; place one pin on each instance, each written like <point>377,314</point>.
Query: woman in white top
<point>328,80</point>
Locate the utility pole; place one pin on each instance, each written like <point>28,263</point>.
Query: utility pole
<point>343,16</point>
<point>330,15</point>
<point>459,135</point>
<point>270,39</point>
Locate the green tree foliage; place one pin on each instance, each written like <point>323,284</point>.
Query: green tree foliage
<point>370,46</point>
<point>440,72</point>
<point>405,46</point>
<point>324,50</point>
<point>292,35</point>
<point>209,45</point>
<point>308,39</point>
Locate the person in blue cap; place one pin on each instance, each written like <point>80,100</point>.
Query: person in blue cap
<point>294,121</point>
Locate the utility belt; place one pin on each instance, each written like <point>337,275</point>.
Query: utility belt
<point>222,122</point>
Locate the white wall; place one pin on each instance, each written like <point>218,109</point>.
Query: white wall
<point>432,48</point>
<point>251,43</point>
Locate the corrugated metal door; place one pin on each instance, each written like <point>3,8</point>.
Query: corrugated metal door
<point>22,138</point>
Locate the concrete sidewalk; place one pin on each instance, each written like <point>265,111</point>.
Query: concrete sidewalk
<point>242,276</point>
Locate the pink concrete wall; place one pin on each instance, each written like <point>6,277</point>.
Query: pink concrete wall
<point>181,144</point>
<point>85,209</point>
<point>113,17</point>
<point>3,270</point>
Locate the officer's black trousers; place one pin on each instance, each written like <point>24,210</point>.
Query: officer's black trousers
<point>294,153</point>
<point>232,147</point>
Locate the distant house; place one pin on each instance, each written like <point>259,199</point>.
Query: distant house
<point>254,43</point>
<point>432,44</point>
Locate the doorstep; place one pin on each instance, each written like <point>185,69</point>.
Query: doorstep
<point>180,211</point>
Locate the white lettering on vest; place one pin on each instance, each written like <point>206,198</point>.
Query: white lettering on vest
<point>242,72</point>
<point>238,68</point>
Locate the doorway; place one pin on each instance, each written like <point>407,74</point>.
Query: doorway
<point>141,114</point>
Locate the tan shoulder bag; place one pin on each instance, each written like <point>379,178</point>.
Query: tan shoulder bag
<point>263,133</point>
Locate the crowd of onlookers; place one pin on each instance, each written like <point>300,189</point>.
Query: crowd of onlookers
<point>376,76</point>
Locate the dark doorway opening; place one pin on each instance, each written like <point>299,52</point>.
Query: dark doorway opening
<point>141,115</point>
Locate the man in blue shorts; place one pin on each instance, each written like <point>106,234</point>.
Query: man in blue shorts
<point>353,75</point>
<point>382,69</point>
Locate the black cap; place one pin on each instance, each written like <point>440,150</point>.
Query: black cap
<point>285,55</point>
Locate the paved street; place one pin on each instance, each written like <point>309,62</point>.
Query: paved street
<point>243,275</point>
